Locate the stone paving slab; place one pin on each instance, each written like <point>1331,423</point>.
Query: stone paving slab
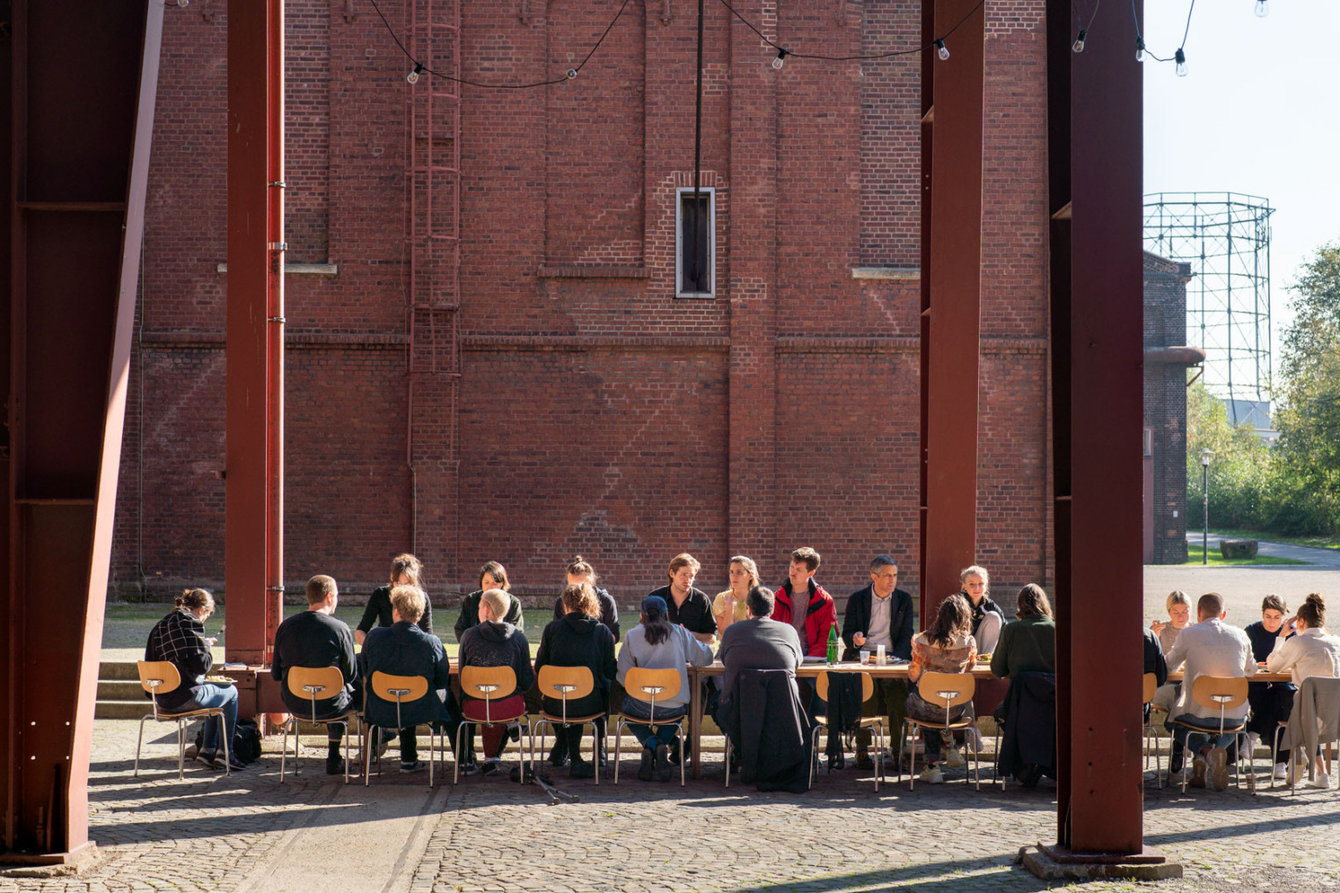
<point>247,832</point>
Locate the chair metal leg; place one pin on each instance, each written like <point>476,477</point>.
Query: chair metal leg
<point>618,746</point>
<point>181,748</point>
<point>283,750</point>
<point>140,743</point>
<point>595,750</point>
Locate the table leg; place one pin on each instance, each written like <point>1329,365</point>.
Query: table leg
<point>695,722</point>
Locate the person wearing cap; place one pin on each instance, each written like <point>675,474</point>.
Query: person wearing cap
<point>659,644</point>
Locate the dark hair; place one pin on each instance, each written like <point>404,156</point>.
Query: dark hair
<point>1211,604</point>
<point>1313,610</point>
<point>656,626</point>
<point>808,556</point>
<point>408,565</point>
<point>954,616</point>
<point>192,599</point>
<point>1032,601</point>
<point>759,601</point>
<point>497,572</point>
<point>318,588</point>
<point>580,567</point>
<point>581,598</point>
<point>882,561</point>
<point>1273,602</point>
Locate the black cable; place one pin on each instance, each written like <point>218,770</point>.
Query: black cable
<point>571,73</point>
<point>869,56</point>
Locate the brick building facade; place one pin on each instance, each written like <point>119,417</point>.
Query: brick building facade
<point>487,357</point>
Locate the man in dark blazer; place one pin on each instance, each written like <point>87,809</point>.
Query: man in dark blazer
<point>880,614</point>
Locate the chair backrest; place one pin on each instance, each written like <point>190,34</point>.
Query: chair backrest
<point>400,689</point>
<point>1151,686</point>
<point>488,683</point>
<point>652,686</point>
<point>566,683</point>
<point>1219,693</point>
<point>314,684</point>
<point>946,689</point>
<point>867,686</point>
<point>158,677</point>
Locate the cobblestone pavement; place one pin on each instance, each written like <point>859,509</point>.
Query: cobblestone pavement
<point>247,832</point>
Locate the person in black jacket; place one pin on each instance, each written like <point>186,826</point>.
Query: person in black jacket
<point>494,642</point>
<point>315,639</point>
<point>580,571</point>
<point>987,616</point>
<point>405,571</point>
<point>579,640</point>
<point>880,614</point>
<point>491,576</point>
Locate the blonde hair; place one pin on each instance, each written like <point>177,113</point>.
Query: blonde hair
<point>194,599</point>
<point>1177,597</point>
<point>979,571</point>
<point>581,598</point>
<point>408,602</point>
<point>498,602</point>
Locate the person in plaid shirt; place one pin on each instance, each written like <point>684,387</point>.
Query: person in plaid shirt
<point>180,638</point>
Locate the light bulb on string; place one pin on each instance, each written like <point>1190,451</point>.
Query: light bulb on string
<point>1139,49</point>
<point>1262,9</point>
<point>1078,45</point>
<point>1180,58</point>
<point>941,50</point>
<point>413,76</point>
<point>781,58</point>
<point>572,73</point>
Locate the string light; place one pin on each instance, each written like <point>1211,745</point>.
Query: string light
<point>413,76</point>
<point>941,50</point>
<point>1078,45</point>
<point>1262,9</point>
<point>1139,48</point>
<point>1180,58</point>
<point>780,60</point>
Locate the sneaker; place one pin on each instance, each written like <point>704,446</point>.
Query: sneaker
<point>954,758</point>
<point>662,763</point>
<point>334,765</point>
<point>1218,767</point>
<point>932,775</point>
<point>234,764</point>
<point>863,761</point>
<point>1281,772</point>
<point>644,768</point>
<point>582,769</point>
<point>489,767</point>
<point>209,758</point>
<point>410,767</point>
<point>1320,780</point>
<point>468,768</point>
<point>837,762</point>
<point>559,755</point>
<point>1198,767</point>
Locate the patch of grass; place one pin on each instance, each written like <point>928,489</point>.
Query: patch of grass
<point>1195,554</point>
<point>1313,542</point>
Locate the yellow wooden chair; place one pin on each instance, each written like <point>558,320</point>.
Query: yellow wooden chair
<point>401,690</point>
<point>314,684</point>
<point>948,690</point>
<point>160,677</point>
<point>565,684</point>
<point>648,685</point>
<point>1219,693</point>
<point>821,723</point>
<point>489,684</point>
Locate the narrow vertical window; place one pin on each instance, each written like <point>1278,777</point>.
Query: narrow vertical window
<point>695,243</point>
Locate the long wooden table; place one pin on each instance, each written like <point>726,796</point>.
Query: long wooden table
<point>892,670</point>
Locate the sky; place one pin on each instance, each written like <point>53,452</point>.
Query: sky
<point>1257,114</point>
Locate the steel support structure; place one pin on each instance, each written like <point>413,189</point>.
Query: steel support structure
<point>254,331</point>
<point>1094,162</point>
<point>951,209</point>
<point>82,77</point>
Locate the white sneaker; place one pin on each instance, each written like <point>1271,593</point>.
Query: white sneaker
<point>1321,780</point>
<point>953,758</point>
<point>932,775</point>
<point>1253,741</point>
<point>1281,771</point>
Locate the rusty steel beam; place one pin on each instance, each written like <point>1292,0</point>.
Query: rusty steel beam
<point>79,142</point>
<point>1094,114</point>
<point>253,528</point>
<point>951,296</point>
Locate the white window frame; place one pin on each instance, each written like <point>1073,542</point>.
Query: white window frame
<point>711,195</point>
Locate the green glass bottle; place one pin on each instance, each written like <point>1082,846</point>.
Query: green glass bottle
<point>832,644</point>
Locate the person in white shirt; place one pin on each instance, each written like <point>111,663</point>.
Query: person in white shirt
<point>1310,653</point>
<point>1210,647</point>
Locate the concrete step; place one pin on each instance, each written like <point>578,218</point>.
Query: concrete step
<point>119,690</point>
<point>118,709</point>
<point>118,669</point>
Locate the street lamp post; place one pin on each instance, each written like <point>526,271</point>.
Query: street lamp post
<point>1205,455</point>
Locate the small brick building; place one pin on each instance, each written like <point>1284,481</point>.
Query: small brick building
<point>502,342</point>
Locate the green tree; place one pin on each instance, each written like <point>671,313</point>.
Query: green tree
<point>1240,469</point>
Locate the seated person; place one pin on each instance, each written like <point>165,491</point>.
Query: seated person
<point>759,642</point>
<point>1209,647</point>
<point>1312,652</point>
<point>494,642</point>
<point>729,605</point>
<point>579,640</point>
<point>315,639</point>
<point>1028,645</point>
<point>179,638</point>
<point>405,571</point>
<point>1271,702</point>
<point>658,644</point>
<point>1154,662</point>
<point>987,616</point>
<point>805,604</point>
<point>880,614</point>
<point>580,571</point>
<point>404,649</point>
<point>491,576</point>
<point>686,606</point>
<point>1178,606</point>
<point>947,646</point>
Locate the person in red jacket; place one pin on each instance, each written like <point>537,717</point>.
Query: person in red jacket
<point>812,613</point>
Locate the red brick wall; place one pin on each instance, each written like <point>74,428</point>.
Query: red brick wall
<point>594,412</point>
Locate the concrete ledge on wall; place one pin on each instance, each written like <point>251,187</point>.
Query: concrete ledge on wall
<point>298,269</point>
<point>895,274</point>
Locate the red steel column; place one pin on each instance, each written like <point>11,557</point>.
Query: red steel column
<point>254,329</point>
<point>951,296</point>
<point>1095,201</point>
